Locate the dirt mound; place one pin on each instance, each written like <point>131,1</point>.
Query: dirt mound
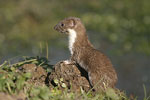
<point>63,76</point>
<point>68,76</point>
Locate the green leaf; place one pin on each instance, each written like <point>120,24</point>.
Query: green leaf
<point>61,79</point>
<point>111,93</point>
<point>27,75</point>
<point>63,85</point>
<point>20,83</point>
<point>56,81</point>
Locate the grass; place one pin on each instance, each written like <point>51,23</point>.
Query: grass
<point>13,81</point>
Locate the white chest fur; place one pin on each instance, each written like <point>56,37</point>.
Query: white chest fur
<point>72,37</point>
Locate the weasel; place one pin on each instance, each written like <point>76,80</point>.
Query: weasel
<point>101,73</point>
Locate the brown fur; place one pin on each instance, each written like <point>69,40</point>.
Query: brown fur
<point>100,70</point>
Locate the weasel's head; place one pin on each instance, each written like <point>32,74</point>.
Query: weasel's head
<point>70,24</point>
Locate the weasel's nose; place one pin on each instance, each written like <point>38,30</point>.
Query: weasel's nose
<point>55,27</point>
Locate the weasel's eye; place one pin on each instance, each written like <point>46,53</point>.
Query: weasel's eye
<point>62,24</point>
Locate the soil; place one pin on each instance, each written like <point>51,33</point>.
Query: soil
<point>20,96</point>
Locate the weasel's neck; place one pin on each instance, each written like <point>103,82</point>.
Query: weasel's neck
<point>76,41</point>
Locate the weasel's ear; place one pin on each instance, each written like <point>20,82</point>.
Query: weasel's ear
<point>72,23</point>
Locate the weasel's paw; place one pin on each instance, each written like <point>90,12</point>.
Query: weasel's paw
<point>68,62</point>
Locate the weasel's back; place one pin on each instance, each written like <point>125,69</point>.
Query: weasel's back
<point>101,70</point>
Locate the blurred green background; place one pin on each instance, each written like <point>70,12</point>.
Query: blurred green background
<point>119,28</point>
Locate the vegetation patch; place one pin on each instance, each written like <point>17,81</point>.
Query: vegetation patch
<point>31,79</point>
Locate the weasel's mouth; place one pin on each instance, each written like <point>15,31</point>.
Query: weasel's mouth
<point>60,29</point>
